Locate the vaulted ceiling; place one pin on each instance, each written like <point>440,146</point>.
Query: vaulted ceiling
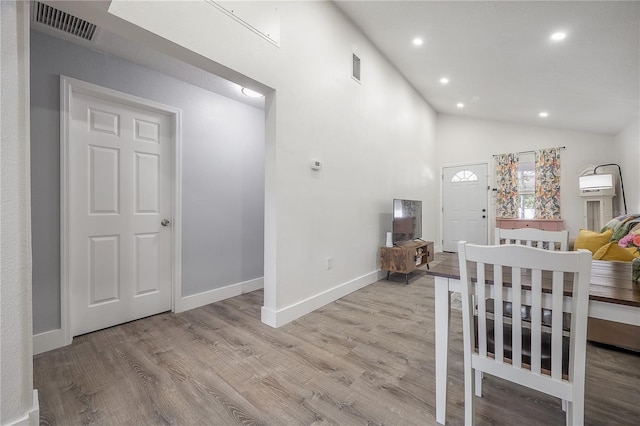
<point>498,56</point>
<point>501,63</point>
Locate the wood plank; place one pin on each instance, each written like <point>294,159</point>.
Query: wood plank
<point>367,358</point>
<point>610,280</point>
<point>614,333</point>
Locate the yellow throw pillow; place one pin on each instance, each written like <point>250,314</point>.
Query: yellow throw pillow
<point>592,240</point>
<point>612,251</point>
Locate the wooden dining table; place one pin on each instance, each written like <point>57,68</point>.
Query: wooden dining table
<point>614,301</point>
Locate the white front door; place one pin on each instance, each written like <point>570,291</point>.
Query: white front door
<point>119,175</point>
<point>464,205</point>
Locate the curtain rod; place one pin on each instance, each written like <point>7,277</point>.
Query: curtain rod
<point>530,152</point>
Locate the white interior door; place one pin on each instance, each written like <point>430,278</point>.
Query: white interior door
<point>119,175</point>
<point>464,205</point>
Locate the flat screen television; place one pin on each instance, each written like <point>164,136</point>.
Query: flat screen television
<point>407,220</point>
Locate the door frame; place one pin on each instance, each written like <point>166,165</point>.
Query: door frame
<point>490,212</point>
<point>68,86</point>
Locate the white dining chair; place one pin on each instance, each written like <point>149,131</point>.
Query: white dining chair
<point>533,238</point>
<point>549,240</point>
<point>498,266</point>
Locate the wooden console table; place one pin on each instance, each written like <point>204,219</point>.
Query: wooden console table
<point>406,257</point>
<point>544,224</point>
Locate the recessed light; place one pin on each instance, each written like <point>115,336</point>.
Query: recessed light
<point>543,114</point>
<point>251,93</point>
<point>460,105</point>
<point>444,80</point>
<point>558,36</point>
<point>417,41</point>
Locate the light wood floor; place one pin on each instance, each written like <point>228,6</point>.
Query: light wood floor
<point>366,359</point>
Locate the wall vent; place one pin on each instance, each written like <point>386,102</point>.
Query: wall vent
<point>355,68</point>
<point>55,18</point>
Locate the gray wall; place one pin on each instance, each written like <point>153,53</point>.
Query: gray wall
<point>223,171</point>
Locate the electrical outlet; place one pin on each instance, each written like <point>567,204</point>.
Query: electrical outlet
<point>329,263</point>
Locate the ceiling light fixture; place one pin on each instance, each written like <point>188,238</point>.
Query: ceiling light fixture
<point>417,41</point>
<point>558,36</point>
<point>444,80</point>
<point>251,93</point>
<point>543,114</point>
<point>460,105</point>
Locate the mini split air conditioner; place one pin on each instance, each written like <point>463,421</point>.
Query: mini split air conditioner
<point>598,199</point>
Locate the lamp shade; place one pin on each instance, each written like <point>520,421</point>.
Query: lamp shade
<point>594,182</point>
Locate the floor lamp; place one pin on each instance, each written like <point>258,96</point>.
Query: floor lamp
<point>603,181</point>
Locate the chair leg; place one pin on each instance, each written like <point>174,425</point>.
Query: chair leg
<point>575,413</point>
<point>479,376</point>
<point>469,386</point>
<point>575,407</point>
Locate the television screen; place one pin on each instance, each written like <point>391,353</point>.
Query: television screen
<point>407,220</point>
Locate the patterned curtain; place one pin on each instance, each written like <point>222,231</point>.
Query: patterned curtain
<point>547,203</point>
<point>507,183</point>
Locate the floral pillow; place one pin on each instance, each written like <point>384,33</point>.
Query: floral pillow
<point>624,229</point>
<point>621,225</point>
<point>630,241</point>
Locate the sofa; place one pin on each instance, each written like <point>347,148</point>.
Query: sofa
<point>604,244</point>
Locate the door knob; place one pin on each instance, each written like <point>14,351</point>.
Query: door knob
<point>165,222</point>
<point>484,217</point>
<point>484,210</point>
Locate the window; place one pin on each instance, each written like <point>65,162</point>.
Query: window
<point>526,186</point>
<point>464,176</point>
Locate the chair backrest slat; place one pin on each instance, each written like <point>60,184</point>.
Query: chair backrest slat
<point>557,325</point>
<point>516,329</point>
<point>533,238</point>
<point>482,311</point>
<point>498,314</point>
<point>536,320</point>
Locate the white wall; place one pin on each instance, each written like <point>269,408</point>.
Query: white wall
<point>464,140</point>
<point>628,145</point>
<point>223,153</point>
<point>376,140</point>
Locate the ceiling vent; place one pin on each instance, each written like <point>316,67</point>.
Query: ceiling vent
<point>51,17</point>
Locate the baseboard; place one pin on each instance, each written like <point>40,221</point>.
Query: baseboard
<point>218,294</point>
<point>47,341</point>
<point>285,315</point>
<point>32,417</point>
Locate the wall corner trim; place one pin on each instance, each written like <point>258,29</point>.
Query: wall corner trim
<point>280,317</point>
